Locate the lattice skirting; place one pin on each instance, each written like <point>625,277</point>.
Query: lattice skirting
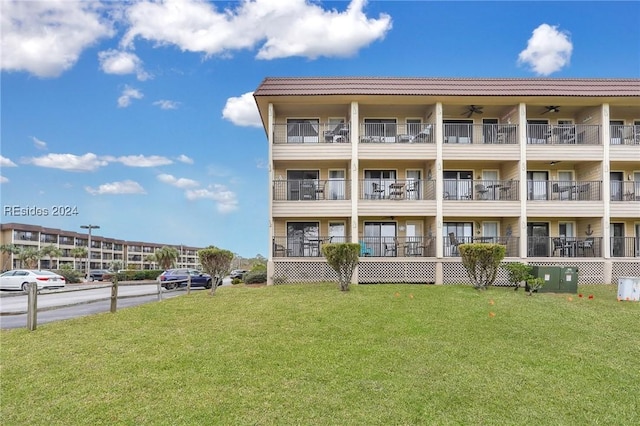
<point>371,272</point>
<point>397,272</point>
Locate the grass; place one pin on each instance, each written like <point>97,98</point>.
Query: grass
<point>310,354</point>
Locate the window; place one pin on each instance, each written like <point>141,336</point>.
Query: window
<point>299,235</point>
<point>377,183</point>
<point>379,236</point>
<point>456,233</point>
<point>489,130</point>
<point>337,185</point>
<point>302,130</point>
<point>537,185</point>
<point>458,185</point>
<point>458,131</point>
<point>537,131</point>
<point>337,232</point>
<point>380,129</point>
<point>302,184</point>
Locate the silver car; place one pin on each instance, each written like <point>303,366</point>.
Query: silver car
<point>19,279</point>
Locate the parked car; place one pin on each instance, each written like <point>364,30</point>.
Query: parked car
<point>18,279</point>
<point>237,273</point>
<point>173,278</point>
<point>98,274</point>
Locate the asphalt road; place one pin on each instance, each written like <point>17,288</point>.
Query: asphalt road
<point>77,300</point>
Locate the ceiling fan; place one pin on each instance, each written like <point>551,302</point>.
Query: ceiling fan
<point>552,108</point>
<point>553,163</point>
<point>471,109</point>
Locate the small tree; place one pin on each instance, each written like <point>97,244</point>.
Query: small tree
<point>29,257</point>
<point>166,256</point>
<point>51,251</point>
<point>8,249</point>
<point>215,262</point>
<point>518,272</point>
<point>481,262</point>
<point>343,258</point>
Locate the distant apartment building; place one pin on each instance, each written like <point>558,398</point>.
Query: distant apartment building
<point>104,251</point>
<point>410,168</point>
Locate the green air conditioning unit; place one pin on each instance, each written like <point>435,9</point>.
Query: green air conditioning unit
<point>551,277</point>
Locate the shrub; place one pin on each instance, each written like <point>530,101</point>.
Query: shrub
<point>70,275</point>
<point>343,258</point>
<point>257,277</point>
<point>236,281</point>
<point>481,262</point>
<point>518,272</point>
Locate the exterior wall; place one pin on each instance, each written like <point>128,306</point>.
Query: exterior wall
<point>585,201</point>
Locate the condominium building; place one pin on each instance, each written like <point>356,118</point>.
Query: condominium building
<point>410,168</point>
<point>104,251</point>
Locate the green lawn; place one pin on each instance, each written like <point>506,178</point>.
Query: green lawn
<point>310,354</point>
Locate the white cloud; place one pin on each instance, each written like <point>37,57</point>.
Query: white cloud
<point>38,143</point>
<point>69,162</point>
<point>5,162</point>
<point>177,182</point>
<point>143,161</point>
<point>226,200</point>
<point>3,179</point>
<point>123,187</point>
<point>46,38</point>
<point>184,159</point>
<point>166,104</point>
<point>121,63</point>
<point>286,28</point>
<point>548,50</point>
<point>242,111</point>
<point>127,94</point>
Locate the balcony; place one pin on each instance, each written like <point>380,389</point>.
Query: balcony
<point>481,190</point>
<point>452,242</point>
<point>296,246</point>
<point>397,189</point>
<point>313,133</point>
<point>311,190</point>
<point>625,191</point>
<point>397,133</point>
<point>568,191</point>
<point>460,133</point>
<point>564,247</point>
<point>563,134</point>
<point>624,135</point>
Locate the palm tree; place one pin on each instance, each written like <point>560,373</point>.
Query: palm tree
<point>79,252</point>
<point>8,249</point>
<point>29,257</point>
<point>166,256</point>
<point>51,251</point>
<point>150,259</point>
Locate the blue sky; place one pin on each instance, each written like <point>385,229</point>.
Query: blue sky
<point>140,114</point>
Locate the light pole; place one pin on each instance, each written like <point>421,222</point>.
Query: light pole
<point>89,227</point>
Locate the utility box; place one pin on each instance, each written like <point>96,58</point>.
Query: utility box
<point>568,280</point>
<point>551,277</point>
<point>629,288</point>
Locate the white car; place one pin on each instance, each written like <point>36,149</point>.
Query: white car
<point>18,279</point>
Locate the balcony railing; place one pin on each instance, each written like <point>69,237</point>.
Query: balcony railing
<point>397,189</point>
<point>542,190</point>
<point>573,134</point>
<point>564,247</point>
<point>311,189</point>
<point>625,191</point>
<point>491,190</point>
<point>460,133</point>
<point>452,242</point>
<point>303,245</point>
<point>624,246</point>
<point>624,135</point>
<point>397,133</point>
<point>311,133</point>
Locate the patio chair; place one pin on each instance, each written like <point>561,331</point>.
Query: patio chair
<point>280,251</point>
<point>481,190</point>
<point>364,250</point>
<point>453,241</point>
<point>391,249</point>
<point>585,245</point>
<point>378,191</point>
